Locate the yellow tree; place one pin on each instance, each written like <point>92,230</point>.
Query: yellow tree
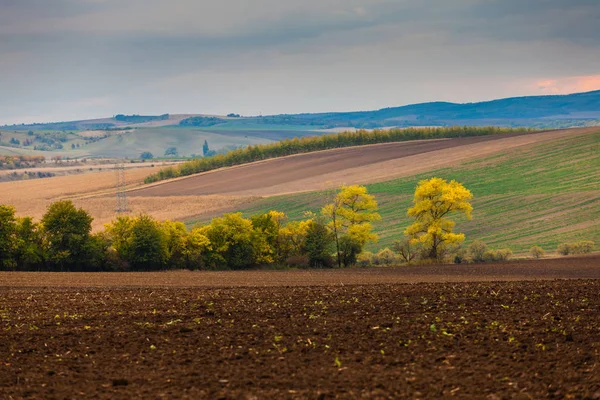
<point>351,213</point>
<point>435,199</point>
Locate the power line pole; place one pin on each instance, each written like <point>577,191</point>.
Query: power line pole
<point>122,206</point>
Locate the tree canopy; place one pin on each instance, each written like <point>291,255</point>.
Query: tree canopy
<point>434,201</point>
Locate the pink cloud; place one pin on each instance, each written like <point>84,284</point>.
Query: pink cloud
<point>571,84</point>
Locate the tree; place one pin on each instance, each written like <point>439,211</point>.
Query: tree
<point>30,244</point>
<point>67,233</point>
<point>291,239</point>
<point>8,237</point>
<point>147,245</point>
<point>318,243</point>
<point>171,151</point>
<point>435,199</point>
<point>196,248</point>
<point>205,148</point>
<point>235,243</point>
<point>146,155</point>
<point>407,251</point>
<point>350,215</point>
<point>176,240</point>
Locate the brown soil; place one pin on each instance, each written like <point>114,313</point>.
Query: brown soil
<point>352,165</point>
<point>490,340</point>
<point>582,267</point>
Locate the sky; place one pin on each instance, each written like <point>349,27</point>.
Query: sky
<point>78,59</point>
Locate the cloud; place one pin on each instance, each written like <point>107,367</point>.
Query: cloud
<point>568,84</point>
<point>286,56</point>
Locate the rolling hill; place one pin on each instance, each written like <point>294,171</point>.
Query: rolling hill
<point>129,135</point>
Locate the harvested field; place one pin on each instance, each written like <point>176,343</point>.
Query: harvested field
<point>95,193</point>
<point>352,165</point>
<point>488,340</point>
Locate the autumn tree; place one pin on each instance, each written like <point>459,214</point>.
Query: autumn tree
<point>291,239</point>
<point>350,215</point>
<point>235,243</point>
<point>434,201</point>
<point>196,248</point>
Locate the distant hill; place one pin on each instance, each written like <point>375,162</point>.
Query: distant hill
<point>542,111</point>
<point>130,135</point>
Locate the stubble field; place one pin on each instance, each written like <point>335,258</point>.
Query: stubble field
<point>208,339</point>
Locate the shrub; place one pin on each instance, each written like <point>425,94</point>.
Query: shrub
<point>365,259</point>
<point>386,257</point>
<point>537,252</point>
<point>459,256</point>
<point>477,251</point>
<point>564,249</point>
<point>497,255</point>
<point>581,247</point>
<point>408,252</point>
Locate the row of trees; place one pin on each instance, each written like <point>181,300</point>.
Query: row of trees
<point>63,239</point>
<point>336,236</point>
<point>20,161</point>
<point>315,143</point>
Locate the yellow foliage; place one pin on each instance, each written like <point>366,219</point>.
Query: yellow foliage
<point>435,199</point>
<point>352,212</point>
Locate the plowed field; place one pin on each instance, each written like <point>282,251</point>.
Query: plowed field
<point>488,340</point>
<point>352,165</point>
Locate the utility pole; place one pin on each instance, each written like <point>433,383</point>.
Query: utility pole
<point>122,206</point>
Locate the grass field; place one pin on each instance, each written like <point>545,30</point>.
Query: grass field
<point>540,195</point>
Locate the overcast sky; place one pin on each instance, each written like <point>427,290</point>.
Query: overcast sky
<point>78,59</point>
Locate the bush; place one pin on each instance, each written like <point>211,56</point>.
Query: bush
<point>564,249</point>
<point>537,252</point>
<point>581,247</point>
<point>477,251</point>
<point>497,255</point>
<point>459,256</point>
<point>408,252</point>
<point>365,259</point>
<point>386,257</point>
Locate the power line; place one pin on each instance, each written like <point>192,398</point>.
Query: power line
<point>122,206</point>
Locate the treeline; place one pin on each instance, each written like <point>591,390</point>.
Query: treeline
<point>201,121</point>
<point>138,119</point>
<point>20,161</point>
<point>315,143</point>
<point>63,239</point>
